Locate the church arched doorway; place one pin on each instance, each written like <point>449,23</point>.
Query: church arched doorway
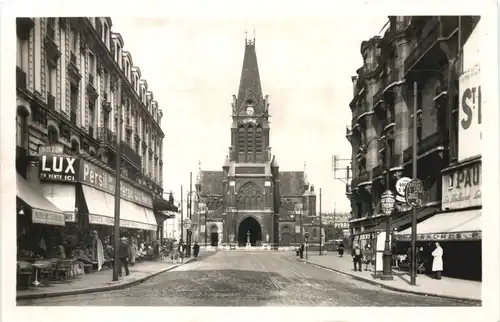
<point>214,236</point>
<point>249,229</point>
<point>285,236</point>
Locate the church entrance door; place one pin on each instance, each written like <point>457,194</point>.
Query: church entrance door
<point>214,236</point>
<point>249,230</point>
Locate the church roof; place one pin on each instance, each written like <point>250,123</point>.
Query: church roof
<point>250,78</point>
<point>211,182</point>
<point>291,183</point>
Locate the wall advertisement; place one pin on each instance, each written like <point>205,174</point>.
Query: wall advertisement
<point>461,187</point>
<point>469,117</point>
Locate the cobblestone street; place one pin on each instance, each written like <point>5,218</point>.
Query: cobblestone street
<point>249,279</point>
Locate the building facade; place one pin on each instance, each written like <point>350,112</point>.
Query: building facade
<point>251,199</point>
<point>429,51</point>
<point>73,78</point>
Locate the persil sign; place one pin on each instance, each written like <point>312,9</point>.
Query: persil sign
<point>469,119</point>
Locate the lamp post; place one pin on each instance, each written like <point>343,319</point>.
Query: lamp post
<point>190,211</point>
<point>388,208</point>
<point>205,223</point>
<point>306,237</point>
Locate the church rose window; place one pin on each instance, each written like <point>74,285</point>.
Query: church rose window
<point>249,197</point>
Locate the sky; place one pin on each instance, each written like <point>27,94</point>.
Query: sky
<point>193,66</point>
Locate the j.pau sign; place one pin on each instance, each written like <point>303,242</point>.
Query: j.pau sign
<point>461,187</point>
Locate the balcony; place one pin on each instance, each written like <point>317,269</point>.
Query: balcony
<point>91,88</point>
<point>51,48</point>
<point>73,69</point>
<point>51,101</point>
<point>23,26</point>
<point>20,79</point>
<point>430,144</point>
<point>107,137</point>
<point>427,55</point>
<point>129,153</point>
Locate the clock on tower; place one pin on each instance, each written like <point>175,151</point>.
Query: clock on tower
<point>250,110</point>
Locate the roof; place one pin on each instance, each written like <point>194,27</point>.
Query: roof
<point>250,78</point>
<point>211,182</point>
<point>292,183</point>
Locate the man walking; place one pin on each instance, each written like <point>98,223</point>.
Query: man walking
<point>181,249</point>
<point>196,249</point>
<point>123,254</point>
<point>357,256</point>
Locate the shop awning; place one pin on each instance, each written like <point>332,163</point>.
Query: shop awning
<point>100,206</point>
<point>457,225</point>
<point>137,217</point>
<point>63,196</point>
<point>404,220</point>
<point>43,211</point>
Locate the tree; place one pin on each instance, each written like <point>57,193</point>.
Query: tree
<point>333,232</point>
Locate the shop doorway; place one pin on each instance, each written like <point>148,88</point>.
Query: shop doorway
<point>249,227</point>
<point>214,236</point>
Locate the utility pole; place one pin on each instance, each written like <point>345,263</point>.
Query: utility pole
<point>116,228</point>
<point>190,197</point>
<point>182,216</point>
<point>320,225</point>
<point>413,277</point>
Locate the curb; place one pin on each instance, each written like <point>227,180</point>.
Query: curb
<point>392,288</point>
<point>100,288</point>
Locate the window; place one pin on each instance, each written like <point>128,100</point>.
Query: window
<point>91,118</point>
<point>74,40</point>
<point>92,66</point>
<point>258,139</point>
<point>51,27</point>
<point>105,35</point>
<point>73,103</point>
<point>21,131</point>
<point>53,136</point>
<point>314,233</point>
<point>51,78</point>
<point>241,139</point>
<point>250,145</point>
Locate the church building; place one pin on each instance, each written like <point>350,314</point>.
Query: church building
<point>251,200</point>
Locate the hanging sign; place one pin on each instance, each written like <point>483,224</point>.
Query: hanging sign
<point>387,201</point>
<point>401,185</point>
<point>414,193</point>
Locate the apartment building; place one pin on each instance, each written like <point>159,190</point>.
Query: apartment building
<point>427,50</point>
<point>78,92</point>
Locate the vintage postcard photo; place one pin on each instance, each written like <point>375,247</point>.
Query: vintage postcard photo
<point>329,162</point>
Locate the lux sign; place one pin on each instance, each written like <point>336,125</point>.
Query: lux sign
<point>58,168</point>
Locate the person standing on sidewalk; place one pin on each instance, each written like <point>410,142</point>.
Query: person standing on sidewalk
<point>437,262</point>
<point>301,250</point>
<point>357,256</point>
<point>181,249</point>
<point>133,251</point>
<point>196,249</point>
<point>123,255</point>
<point>368,256</point>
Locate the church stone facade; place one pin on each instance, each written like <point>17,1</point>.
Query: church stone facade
<point>251,199</point>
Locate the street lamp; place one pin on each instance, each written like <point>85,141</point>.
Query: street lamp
<point>306,237</point>
<point>388,203</point>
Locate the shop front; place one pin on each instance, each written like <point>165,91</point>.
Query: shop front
<point>457,227</point>
<point>85,193</point>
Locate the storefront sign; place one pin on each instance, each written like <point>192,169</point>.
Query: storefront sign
<point>103,180</point>
<point>414,193</point>
<point>462,187</point>
<point>48,218</point>
<point>51,149</point>
<point>70,217</point>
<point>58,168</point>
<point>108,221</point>
<point>470,105</point>
<point>466,235</point>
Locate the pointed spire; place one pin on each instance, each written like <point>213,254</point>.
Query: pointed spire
<point>198,176</point>
<point>250,78</point>
<point>306,181</point>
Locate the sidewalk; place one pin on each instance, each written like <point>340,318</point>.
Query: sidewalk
<point>446,287</point>
<point>99,281</point>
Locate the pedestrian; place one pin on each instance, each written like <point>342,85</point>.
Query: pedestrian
<point>368,256</point>
<point>181,249</point>
<point>357,256</point>
<point>123,255</point>
<point>341,249</point>
<point>437,262</point>
<point>301,250</point>
<point>196,249</point>
<point>133,251</point>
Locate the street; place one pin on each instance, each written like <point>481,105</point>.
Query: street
<point>248,279</point>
